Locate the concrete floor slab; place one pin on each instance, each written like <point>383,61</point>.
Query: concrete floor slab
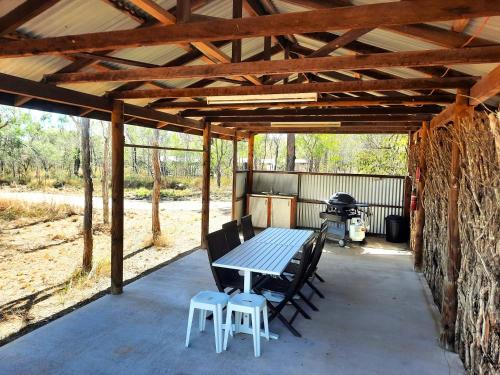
<point>377,318</point>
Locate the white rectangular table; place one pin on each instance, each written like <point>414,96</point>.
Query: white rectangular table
<point>269,252</point>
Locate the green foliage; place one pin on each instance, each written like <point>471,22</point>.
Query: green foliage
<point>383,154</point>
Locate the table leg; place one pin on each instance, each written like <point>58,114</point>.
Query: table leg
<point>247,283</point>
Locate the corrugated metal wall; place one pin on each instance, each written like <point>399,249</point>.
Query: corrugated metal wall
<point>385,194</point>
<point>241,185</point>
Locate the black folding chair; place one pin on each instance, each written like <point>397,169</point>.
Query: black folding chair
<point>288,289</point>
<point>323,228</point>
<point>224,277</point>
<point>317,251</point>
<point>247,227</point>
<point>232,233</point>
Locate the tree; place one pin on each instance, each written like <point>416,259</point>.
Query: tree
<point>383,154</point>
<point>88,187</point>
<point>221,158</point>
<point>290,152</point>
<point>106,134</point>
<point>155,197</point>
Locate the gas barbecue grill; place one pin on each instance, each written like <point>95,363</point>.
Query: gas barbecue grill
<point>346,218</point>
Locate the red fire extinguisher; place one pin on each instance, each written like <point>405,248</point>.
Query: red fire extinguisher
<point>413,199</point>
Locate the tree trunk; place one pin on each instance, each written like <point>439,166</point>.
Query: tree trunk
<point>105,175</point>
<point>88,188</point>
<point>155,198</point>
<point>290,152</point>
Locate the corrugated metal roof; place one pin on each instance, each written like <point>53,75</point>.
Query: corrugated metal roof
<point>83,16</point>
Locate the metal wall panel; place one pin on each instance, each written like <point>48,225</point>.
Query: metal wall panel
<point>284,183</point>
<point>374,190</point>
<point>385,195</point>
<point>241,184</point>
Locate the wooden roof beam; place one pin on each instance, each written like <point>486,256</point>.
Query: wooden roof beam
<point>339,102</point>
<point>372,15</point>
<point>427,33</point>
<point>332,118</point>
<point>327,87</point>
<point>473,55</point>
<point>168,19</point>
<point>487,87</point>
<point>25,87</point>
<point>315,112</point>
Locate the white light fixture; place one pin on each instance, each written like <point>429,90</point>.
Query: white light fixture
<point>267,98</point>
<point>326,124</point>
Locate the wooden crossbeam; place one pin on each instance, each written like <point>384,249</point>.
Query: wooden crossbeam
<point>488,86</point>
<point>338,102</point>
<point>427,33</point>
<point>327,87</point>
<point>372,15</point>
<point>473,55</point>
<point>166,18</point>
<point>485,88</point>
<point>21,86</point>
<point>332,118</point>
<point>314,112</point>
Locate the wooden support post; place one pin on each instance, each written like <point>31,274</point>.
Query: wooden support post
<point>251,139</point>
<point>236,44</point>
<point>407,182</point>
<point>235,169</point>
<point>449,303</point>
<point>117,165</point>
<point>205,191</point>
<point>418,242</point>
<point>183,11</point>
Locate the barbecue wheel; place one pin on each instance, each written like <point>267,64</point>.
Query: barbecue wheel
<point>341,243</point>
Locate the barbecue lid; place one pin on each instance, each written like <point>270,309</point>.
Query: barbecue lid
<point>341,198</point>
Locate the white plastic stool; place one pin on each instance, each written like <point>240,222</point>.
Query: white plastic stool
<point>247,303</point>
<point>208,301</point>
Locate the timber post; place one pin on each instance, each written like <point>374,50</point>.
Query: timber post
<point>449,302</point>
<point>117,173</point>
<point>251,138</point>
<point>205,191</point>
<point>235,169</point>
<point>418,243</point>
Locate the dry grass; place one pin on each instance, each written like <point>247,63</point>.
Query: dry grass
<point>11,210</point>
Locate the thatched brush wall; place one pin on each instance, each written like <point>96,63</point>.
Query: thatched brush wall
<point>435,202</point>
<point>478,318</point>
<point>477,328</point>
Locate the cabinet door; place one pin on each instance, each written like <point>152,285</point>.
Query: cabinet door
<point>281,212</point>
<point>258,209</point>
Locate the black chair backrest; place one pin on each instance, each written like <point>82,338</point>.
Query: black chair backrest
<point>232,233</point>
<point>247,227</point>
<point>316,252</point>
<point>301,274</point>
<point>218,247</point>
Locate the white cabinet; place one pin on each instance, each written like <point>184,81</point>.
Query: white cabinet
<point>257,207</point>
<point>281,212</point>
<point>272,210</point>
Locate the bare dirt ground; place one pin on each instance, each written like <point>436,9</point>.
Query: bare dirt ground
<point>38,260</point>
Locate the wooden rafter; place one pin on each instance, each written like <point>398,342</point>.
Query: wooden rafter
<point>427,33</point>
<point>473,55</point>
<point>166,18</point>
<point>488,86</point>
<point>372,15</point>
<point>337,102</point>
<point>327,87</point>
